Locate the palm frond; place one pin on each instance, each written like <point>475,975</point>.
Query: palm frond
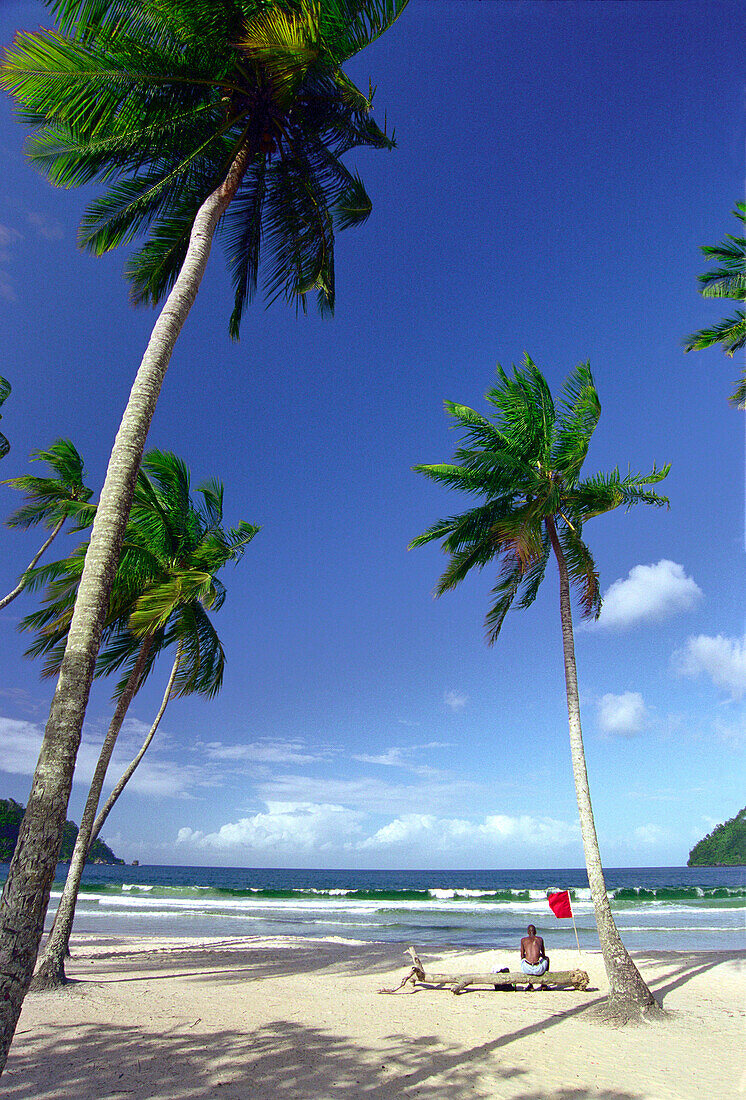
<point>581,409</point>
<point>582,570</point>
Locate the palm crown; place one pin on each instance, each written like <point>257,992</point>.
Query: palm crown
<point>158,99</point>
<point>527,467</point>
<point>51,499</point>
<point>165,584</point>
<point>726,281</point>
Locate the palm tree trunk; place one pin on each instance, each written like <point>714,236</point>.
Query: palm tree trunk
<point>628,993</point>
<point>26,893</point>
<point>129,770</point>
<point>22,584</point>
<point>50,973</point>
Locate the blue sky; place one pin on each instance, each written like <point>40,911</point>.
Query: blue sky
<point>558,167</point>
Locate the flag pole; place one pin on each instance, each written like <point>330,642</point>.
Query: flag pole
<point>575,930</point>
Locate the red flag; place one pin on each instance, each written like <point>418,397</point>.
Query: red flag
<point>560,904</point>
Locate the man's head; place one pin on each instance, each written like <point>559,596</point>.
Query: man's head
<point>531,930</point>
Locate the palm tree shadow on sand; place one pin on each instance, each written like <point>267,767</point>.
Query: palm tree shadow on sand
<point>279,1060</point>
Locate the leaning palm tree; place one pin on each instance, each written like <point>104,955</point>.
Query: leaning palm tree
<point>51,501</point>
<point>166,583</point>
<point>726,281</point>
<point>526,465</point>
<point>4,394</point>
<point>198,115</point>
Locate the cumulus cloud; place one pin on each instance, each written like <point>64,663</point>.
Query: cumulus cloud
<point>286,827</point>
<point>648,593</point>
<point>431,833</point>
<point>622,715</point>
<point>456,700</point>
<point>722,659</point>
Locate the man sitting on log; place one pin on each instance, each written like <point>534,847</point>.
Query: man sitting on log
<point>533,960</point>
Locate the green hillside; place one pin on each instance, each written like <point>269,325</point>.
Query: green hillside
<point>725,846</point>
<point>11,816</point>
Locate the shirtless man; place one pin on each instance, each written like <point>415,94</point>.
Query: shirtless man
<point>533,959</point>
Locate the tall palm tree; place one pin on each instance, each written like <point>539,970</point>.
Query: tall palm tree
<point>51,501</point>
<point>4,395</point>
<point>526,465</point>
<point>166,583</point>
<point>726,281</point>
<point>199,115</point>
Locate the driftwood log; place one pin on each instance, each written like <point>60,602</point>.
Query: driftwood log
<point>457,983</point>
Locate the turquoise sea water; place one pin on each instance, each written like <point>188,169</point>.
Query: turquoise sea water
<point>656,908</point>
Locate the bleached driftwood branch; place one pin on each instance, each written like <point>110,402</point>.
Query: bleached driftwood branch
<point>575,979</point>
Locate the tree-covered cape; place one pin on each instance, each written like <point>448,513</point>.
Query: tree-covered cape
<point>11,816</point>
<point>725,846</point>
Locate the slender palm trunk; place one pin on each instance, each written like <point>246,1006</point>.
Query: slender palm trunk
<point>50,973</point>
<point>22,584</point>
<point>129,770</point>
<point>627,990</point>
<point>26,893</point>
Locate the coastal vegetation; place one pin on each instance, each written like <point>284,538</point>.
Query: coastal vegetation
<point>50,502</point>
<point>199,118</point>
<point>11,816</point>
<point>725,846</point>
<point>726,281</point>
<point>525,465</point>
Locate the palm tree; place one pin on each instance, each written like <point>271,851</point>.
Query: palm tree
<point>726,281</point>
<point>4,394</point>
<point>51,501</point>
<point>198,115</point>
<point>166,582</point>
<point>526,466</point>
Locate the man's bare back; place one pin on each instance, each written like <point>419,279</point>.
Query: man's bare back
<point>532,947</point>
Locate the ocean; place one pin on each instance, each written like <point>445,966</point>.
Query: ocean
<point>655,908</point>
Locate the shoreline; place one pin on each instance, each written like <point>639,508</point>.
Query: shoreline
<point>299,1018</point>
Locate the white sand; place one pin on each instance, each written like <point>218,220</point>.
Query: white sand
<point>261,1019</point>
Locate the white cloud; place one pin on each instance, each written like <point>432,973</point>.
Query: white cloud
<point>648,593</point>
<point>285,828</point>
<point>263,751</point>
<point>622,715</point>
<point>722,659</point>
<point>8,237</point>
<point>431,833</point>
<point>20,743</point>
<point>731,734</point>
<point>374,795</point>
<point>45,227</point>
<point>650,835</point>
<point>456,700</point>
<point>402,757</point>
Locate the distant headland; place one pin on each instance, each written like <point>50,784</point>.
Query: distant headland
<point>11,816</point>
<point>725,846</point>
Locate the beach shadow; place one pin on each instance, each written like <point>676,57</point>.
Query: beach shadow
<point>684,966</point>
<point>237,964</point>
<point>278,1061</point>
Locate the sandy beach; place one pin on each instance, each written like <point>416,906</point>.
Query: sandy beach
<point>265,1018</point>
